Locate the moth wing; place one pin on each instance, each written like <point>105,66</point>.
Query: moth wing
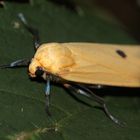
<point>101,64</point>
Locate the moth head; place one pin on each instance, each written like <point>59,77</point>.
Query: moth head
<point>39,72</point>
<point>35,69</point>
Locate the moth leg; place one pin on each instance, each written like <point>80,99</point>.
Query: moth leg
<point>17,63</point>
<point>95,86</point>
<point>47,94</point>
<point>101,101</point>
<point>88,93</point>
<point>34,32</point>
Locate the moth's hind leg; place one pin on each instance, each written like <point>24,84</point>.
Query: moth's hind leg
<point>16,64</point>
<point>34,32</point>
<point>97,86</point>
<point>88,93</point>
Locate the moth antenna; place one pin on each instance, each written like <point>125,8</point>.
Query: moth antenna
<point>22,18</point>
<point>34,32</point>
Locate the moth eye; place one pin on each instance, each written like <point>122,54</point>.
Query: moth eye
<point>39,72</point>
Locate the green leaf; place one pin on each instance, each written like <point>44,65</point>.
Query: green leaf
<point>22,113</point>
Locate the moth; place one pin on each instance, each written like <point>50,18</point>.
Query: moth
<point>80,66</point>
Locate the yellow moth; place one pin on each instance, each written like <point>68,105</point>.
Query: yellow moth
<point>80,67</point>
<point>91,63</point>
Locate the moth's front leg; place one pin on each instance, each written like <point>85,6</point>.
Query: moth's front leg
<point>47,94</point>
<point>16,64</point>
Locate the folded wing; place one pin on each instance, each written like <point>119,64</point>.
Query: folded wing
<point>102,64</point>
